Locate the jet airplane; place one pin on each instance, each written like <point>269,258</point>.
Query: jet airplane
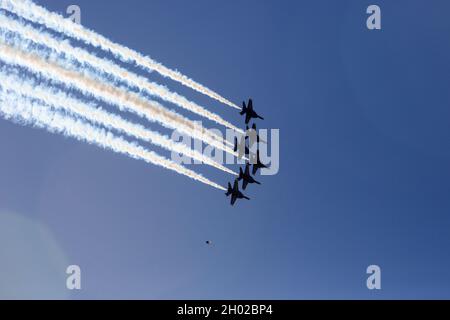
<point>246,177</point>
<point>249,112</point>
<point>235,193</point>
<point>258,164</point>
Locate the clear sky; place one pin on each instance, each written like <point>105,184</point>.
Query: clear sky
<point>364,162</point>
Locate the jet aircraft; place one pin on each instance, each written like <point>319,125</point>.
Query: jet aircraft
<point>235,193</point>
<point>246,177</point>
<point>258,165</point>
<point>249,112</point>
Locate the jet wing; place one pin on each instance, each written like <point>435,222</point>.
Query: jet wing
<point>244,184</point>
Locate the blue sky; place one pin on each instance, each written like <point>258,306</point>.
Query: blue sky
<point>364,175</point>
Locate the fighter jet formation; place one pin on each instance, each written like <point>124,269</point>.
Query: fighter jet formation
<point>243,149</point>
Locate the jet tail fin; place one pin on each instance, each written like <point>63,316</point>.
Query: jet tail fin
<point>241,174</point>
<point>244,108</point>
<point>229,190</point>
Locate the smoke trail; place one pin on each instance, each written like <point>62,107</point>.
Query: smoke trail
<point>58,100</point>
<point>38,14</point>
<point>202,134</point>
<point>107,67</point>
<point>151,110</point>
<point>28,112</point>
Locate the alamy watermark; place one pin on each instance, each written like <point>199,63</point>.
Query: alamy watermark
<point>253,147</point>
<point>73,281</point>
<point>74,13</point>
<point>374,20</point>
<point>374,280</point>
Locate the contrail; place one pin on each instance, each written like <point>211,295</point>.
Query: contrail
<point>202,134</point>
<point>28,112</point>
<point>59,100</point>
<point>38,14</point>
<point>151,110</point>
<point>107,67</point>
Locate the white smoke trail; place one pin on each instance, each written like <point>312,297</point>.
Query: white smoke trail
<point>28,112</point>
<point>202,134</point>
<point>106,67</point>
<point>59,100</point>
<point>127,101</point>
<point>38,14</point>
